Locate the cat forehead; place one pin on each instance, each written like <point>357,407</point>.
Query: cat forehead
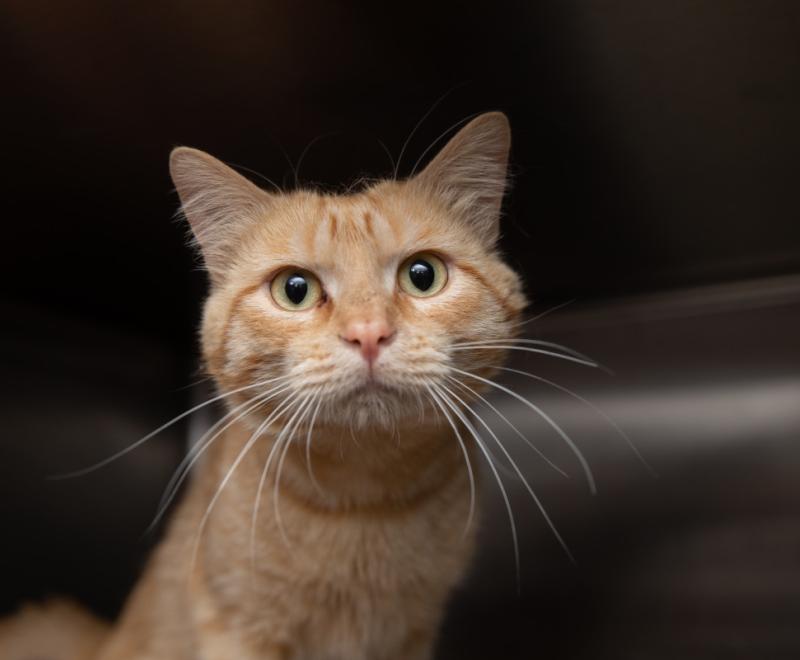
<point>329,230</point>
<point>352,225</point>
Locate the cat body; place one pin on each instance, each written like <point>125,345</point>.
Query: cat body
<point>368,581</point>
<point>332,510</point>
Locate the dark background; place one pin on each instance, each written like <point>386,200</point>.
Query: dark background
<point>655,180</point>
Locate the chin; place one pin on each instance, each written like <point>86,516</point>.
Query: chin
<point>374,404</point>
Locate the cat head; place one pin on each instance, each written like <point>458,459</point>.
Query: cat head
<point>354,304</point>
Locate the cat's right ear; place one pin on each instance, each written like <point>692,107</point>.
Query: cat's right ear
<point>218,202</point>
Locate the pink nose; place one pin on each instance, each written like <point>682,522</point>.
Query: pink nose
<point>368,336</point>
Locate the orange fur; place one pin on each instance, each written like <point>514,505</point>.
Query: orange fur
<point>356,559</point>
<point>56,629</point>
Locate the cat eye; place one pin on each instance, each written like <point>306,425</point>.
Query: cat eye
<point>422,275</point>
<point>295,289</point>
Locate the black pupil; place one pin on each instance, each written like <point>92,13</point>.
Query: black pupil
<point>296,288</point>
<point>421,274</point>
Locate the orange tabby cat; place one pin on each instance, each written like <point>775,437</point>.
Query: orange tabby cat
<point>332,515</point>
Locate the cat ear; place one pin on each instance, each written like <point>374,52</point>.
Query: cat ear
<point>469,173</point>
<point>218,202</point>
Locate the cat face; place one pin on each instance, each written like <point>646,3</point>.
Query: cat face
<point>354,302</point>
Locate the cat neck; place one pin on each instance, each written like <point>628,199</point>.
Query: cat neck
<point>345,469</point>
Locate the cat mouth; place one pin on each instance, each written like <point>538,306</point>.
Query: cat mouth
<point>371,386</point>
<point>372,389</point>
<point>376,385</point>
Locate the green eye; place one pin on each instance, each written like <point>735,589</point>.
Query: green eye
<point>422,275</point>
<point>295,289</point>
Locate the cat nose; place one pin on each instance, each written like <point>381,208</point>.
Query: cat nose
<point>368,336</point>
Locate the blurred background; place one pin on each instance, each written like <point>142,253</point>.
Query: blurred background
<point>655,190</point>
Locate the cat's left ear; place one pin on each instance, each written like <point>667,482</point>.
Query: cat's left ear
<point>469,173</point>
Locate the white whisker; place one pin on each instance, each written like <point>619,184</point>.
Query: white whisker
<point>464,451</point>
<point>441,136</point>
<point>414,130</point>
<point>309,465</point>
<point>546,312</point>
<point>492,467</point>
<point>304,153</point>
<point>589,404</point>
<point>388,153</point>
<point>248,445</point>
<point>303,411</point>
<point>531,342</point>
<point>527,349</point>
<point>264,472</point>
<point>513,428</point>
<point>522,478</point>
<point>579,455</point>
<point>184,468</point>
<point>141,441</point>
